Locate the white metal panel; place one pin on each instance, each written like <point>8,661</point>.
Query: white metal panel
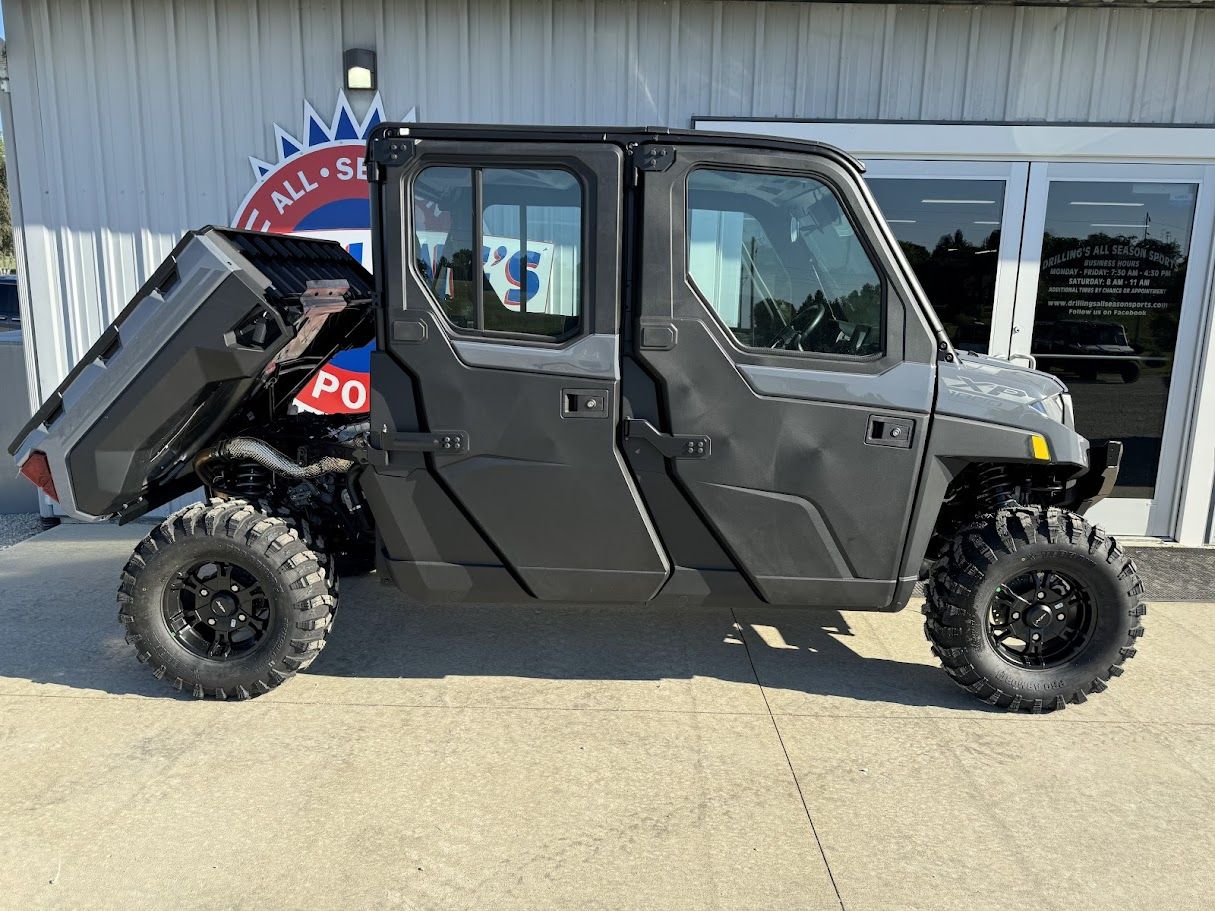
<point>992,141</point>
<point>133,119</point>
<point>944,79</point>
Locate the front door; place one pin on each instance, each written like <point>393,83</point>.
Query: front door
<point>1113,265</point>
<point>496,386</point>
<point>792,376</point>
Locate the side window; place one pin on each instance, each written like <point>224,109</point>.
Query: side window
<point>526,278</point>
<point>777,259</point>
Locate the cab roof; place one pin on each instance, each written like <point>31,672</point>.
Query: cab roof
<point>622,136</point>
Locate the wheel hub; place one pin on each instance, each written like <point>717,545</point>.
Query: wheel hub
<point>223,605</point>
<point>1040,618</point>
<point>218,610</point>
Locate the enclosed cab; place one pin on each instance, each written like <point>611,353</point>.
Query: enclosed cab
<point>610,366</point>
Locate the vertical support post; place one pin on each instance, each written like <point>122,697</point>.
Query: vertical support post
<point>523,269</point>
<point>478,240</point>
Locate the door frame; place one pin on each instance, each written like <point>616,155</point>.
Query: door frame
<point>450,432</point>
<point>1155,516</point>
<point>758,493</point>
<point>1190,428</point>
<point>1015,174</point>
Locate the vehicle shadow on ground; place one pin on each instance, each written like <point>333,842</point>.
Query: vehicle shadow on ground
<point>64,631</point>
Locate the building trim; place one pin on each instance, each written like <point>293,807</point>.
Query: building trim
<point>1002,141</point>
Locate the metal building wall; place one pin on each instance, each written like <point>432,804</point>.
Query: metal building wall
<point>133,120</point>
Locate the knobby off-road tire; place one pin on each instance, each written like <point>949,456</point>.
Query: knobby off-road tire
<point>337,567</point>
<point>225,561</point>
<point>967,589</point>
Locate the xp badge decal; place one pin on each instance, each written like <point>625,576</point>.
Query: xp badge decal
<point>319,188</point>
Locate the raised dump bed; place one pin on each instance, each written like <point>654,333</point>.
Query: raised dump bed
<point>228,328</point>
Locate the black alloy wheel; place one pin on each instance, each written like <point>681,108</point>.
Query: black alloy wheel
<point>1032,608</point>
<point>222,600</point>
<point>218,610</point>
<point>1040,619</point>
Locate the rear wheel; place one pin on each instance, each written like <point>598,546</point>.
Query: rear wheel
<point>223,600</point>
<point>1033,608</point>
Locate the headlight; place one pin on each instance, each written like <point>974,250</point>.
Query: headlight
<point>1057,407</point>
<point>1069,416</point>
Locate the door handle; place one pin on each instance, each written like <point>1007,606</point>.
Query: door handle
<point>585,403</point>
<point>671,445</point>
<point>888,431</point>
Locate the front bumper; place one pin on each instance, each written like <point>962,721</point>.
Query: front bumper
<point>1098,482</point>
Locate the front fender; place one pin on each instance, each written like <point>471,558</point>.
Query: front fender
<point>1098,482</point>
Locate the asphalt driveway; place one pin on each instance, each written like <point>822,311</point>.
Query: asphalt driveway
<point>584,757</point>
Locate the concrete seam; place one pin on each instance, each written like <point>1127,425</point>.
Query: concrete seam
<point>793,772</point>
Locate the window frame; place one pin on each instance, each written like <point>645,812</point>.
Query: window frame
<point>475,165</point>
<point>841,200</point>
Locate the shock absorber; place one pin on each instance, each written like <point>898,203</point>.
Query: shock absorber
<point>248,480</point>
<point>993,489</point>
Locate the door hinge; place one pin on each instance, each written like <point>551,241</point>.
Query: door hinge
<point>652,157</point>
<point>386,152</point>
<point>671,445</point>
<point>381,443</point>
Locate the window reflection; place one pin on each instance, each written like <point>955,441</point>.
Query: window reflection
<point>1113,269</point>
<point>950,232</point>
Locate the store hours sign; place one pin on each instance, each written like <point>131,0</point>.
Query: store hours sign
<point>1113,280</point>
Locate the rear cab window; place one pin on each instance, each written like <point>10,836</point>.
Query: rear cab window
<point>526,226</point>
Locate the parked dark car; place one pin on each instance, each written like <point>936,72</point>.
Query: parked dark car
<point>10,310</point>
<point>1087,349</point>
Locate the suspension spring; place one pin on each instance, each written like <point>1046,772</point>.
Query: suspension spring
<point>993,489</point>
<point>248,480</point>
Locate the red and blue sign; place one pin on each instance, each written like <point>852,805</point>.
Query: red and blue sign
<point>318,188</point>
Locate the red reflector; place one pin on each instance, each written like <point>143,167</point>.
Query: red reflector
<point>37,470</point>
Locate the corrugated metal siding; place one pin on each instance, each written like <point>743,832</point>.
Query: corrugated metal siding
<point>133,119</point>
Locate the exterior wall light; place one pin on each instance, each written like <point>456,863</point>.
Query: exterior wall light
<point>359,63</point>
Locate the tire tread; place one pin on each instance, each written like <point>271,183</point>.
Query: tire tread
<point>305,575</point>
<point>976,548</point>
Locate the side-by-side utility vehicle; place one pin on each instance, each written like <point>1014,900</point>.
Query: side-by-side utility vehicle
<point>622,365</point>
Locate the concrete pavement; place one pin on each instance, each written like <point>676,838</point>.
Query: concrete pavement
<point>584,757</point>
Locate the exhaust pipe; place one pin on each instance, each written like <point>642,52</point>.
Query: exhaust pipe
<point>269,457</point>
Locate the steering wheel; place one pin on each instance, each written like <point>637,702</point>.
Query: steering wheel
<point>790,337</point>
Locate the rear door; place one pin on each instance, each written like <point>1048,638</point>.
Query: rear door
<point>794,378</point>
<point>496,390</point>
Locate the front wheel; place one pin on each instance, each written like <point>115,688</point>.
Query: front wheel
<point>1033,608</point>
<point>223,600</point>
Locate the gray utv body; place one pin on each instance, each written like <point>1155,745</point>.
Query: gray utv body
<point>644,455</point>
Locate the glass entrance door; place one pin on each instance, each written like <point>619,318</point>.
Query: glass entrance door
<point>1094,271</point>
<point>959,224</point>
<point>1113,263</point>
